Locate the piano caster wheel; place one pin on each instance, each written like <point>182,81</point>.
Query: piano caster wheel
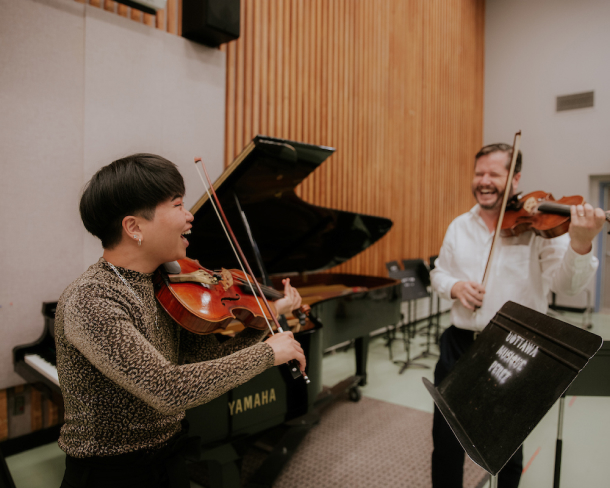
<point>355,394</point>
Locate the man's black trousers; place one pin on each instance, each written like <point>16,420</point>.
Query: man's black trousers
<point>448,455</point>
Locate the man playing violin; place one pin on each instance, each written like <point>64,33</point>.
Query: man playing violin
<point>524,270</point>
<point>127,371</point>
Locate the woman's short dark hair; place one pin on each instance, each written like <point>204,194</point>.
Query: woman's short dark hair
<point>134,185</point>
<point>500,147</point>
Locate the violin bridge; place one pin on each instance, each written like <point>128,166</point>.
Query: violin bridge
<point>227,279</point>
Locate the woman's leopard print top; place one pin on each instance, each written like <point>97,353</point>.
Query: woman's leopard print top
<point>127,381</point>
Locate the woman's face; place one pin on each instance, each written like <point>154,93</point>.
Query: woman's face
<point>163,237</point>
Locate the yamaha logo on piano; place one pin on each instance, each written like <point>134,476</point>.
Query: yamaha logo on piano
<point>252,401</point>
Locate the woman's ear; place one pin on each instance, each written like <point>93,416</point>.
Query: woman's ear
<point>131,227</point>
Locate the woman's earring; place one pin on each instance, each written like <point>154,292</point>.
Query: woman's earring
<point>139,242</point>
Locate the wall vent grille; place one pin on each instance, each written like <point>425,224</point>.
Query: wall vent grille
<point>572,102</point>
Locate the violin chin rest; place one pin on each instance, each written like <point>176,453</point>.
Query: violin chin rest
<point>173,267</point>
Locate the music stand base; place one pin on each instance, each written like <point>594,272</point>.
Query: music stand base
<point>426,354</point>
<point>408,364</point>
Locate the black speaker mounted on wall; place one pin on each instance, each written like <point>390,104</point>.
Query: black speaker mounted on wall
<point>210,22</point>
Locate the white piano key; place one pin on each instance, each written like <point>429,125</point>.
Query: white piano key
<point>43,367</point>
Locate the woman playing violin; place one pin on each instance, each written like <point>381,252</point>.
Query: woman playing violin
<point>127,371</point>
<point>524,270</point>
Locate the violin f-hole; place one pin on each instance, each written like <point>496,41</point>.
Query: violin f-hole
<point>236,298</point>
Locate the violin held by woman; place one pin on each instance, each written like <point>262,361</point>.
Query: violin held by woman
<point>203,301</point>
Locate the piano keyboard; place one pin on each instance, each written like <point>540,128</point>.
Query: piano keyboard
<point>43,367</point>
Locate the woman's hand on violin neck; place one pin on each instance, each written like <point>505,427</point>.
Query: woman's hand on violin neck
<point>469,293</point>
<point>291,300</point>
<point>585,223</point>
<point>286,347</point>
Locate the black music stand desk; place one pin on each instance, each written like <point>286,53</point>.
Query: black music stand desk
<point>500,389</point>
<point>413,287</point>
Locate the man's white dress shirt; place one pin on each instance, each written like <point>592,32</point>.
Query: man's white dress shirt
<point>524,269</point>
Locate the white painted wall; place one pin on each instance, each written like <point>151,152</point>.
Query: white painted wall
<point>79,88</point>
<point>536,50</point>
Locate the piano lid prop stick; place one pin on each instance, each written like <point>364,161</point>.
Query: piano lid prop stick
<point>234,244</point>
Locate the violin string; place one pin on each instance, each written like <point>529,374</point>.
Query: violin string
<point>271,292</point>
<point>232,246</point>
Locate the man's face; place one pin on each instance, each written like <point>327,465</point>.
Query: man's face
<point>163,235</point>
<point>489,180</point>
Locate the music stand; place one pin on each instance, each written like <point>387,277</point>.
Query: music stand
<point>594,380</point>
<point>434,294</point>
<point>423,272</point>
<point>413,288</point>
<point>505,383</point>
<point>392,267</point>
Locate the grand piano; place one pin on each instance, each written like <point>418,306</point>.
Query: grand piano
<point>282,236</point>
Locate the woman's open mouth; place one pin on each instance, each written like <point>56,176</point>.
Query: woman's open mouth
<point>183,236</point>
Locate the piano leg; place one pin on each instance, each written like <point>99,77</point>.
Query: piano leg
<point>362,355</point>
<point>6,480</point>
<point>223,471</point>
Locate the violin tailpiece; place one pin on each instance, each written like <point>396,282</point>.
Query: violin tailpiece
<point>530,205</point>
<point>199,276</point>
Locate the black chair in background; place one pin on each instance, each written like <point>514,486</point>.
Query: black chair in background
<point>586,311</point>
<point>413,279</point>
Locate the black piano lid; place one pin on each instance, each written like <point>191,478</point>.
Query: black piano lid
<point>292,235</point>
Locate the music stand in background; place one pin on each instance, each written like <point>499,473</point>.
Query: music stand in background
<point>435,320</point>
<point>423,271</point>
<point>500,389</point>
<point>392,267</point>
<point>413,288</point>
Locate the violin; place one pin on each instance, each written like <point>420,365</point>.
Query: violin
<point>540,213</point>
<point>203,301</point>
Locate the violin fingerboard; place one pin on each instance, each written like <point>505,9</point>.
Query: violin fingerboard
<point>554,208</point>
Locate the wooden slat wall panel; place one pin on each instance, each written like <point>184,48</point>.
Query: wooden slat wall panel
<point>396,86</point>
<point>169,20</point>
